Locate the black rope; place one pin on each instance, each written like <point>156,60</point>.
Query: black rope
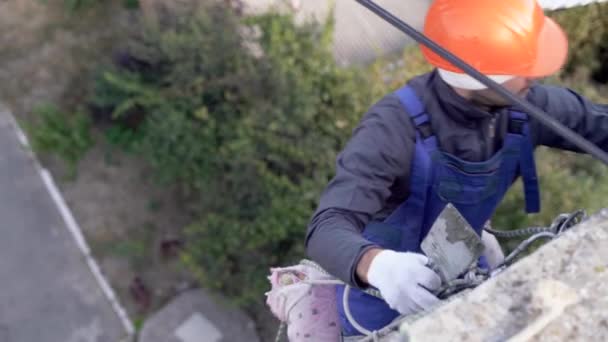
<point>524,246</point>
<point>559,224</point>
<point>509,234</point>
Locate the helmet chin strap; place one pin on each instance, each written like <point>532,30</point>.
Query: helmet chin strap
<point>511,98</point>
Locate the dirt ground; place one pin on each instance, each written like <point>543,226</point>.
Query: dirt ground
<point>132,224</point>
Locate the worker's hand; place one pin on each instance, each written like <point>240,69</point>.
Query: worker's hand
<point>404,281</point>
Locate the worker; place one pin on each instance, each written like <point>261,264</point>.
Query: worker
<point>443,138</point>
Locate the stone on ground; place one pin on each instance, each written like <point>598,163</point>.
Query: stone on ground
<point>196,315</point>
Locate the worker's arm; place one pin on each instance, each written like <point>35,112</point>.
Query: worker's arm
<point>379,151</point>
<point>585,117</point>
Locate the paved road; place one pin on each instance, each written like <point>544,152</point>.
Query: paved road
<point>47,291</point>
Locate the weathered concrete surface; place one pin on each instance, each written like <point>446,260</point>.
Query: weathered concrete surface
<point>198,316</point>
<point>559,293</point>
<point>48,293</point>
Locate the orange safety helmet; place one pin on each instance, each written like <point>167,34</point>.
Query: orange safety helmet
<point>499,38</point>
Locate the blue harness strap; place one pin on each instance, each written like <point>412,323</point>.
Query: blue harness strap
<point>413,105</point>
<point>527,166</point>
<point>419,173</point>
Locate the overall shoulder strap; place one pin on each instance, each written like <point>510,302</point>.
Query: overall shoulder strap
<point>415,109</point>
<point>411,210</point>
<point>519,124</point>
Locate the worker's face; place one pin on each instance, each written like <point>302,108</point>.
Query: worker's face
<point>518,86</point>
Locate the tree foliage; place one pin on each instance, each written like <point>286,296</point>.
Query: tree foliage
<point>248,120</point>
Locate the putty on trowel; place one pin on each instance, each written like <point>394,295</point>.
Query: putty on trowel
<point>452,245</point>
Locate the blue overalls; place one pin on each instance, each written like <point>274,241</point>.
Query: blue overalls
<point>474,188</point>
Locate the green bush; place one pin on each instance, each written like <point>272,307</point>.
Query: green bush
<point>389,74</point>
<point>280,158</point>
<point>66,135</point>
<point>247,115</point>
<point>587,30</point>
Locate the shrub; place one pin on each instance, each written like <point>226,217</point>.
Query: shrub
<point>286,145</point>
<point>66,135</point>
<point>587,30</point>
<point>247,116</point>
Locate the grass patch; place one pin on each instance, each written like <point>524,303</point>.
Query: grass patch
<point>66,135</point>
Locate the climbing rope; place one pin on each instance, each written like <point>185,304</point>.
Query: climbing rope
<point>563,221</point>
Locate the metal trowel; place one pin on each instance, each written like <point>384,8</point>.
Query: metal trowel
<point>452,245</point>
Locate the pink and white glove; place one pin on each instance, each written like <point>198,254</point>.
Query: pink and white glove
<point>404,281</point>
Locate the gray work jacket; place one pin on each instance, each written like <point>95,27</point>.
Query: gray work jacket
<point>372,171</point>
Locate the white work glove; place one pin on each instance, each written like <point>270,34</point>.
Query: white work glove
<point>404,280</point>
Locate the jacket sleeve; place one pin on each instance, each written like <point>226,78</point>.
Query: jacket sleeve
<point>585,117</point>
<point>378,152</point>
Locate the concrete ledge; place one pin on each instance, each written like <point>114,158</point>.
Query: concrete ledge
<point>558,293</point>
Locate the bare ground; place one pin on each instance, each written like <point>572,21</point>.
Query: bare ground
<point>127,217</point>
